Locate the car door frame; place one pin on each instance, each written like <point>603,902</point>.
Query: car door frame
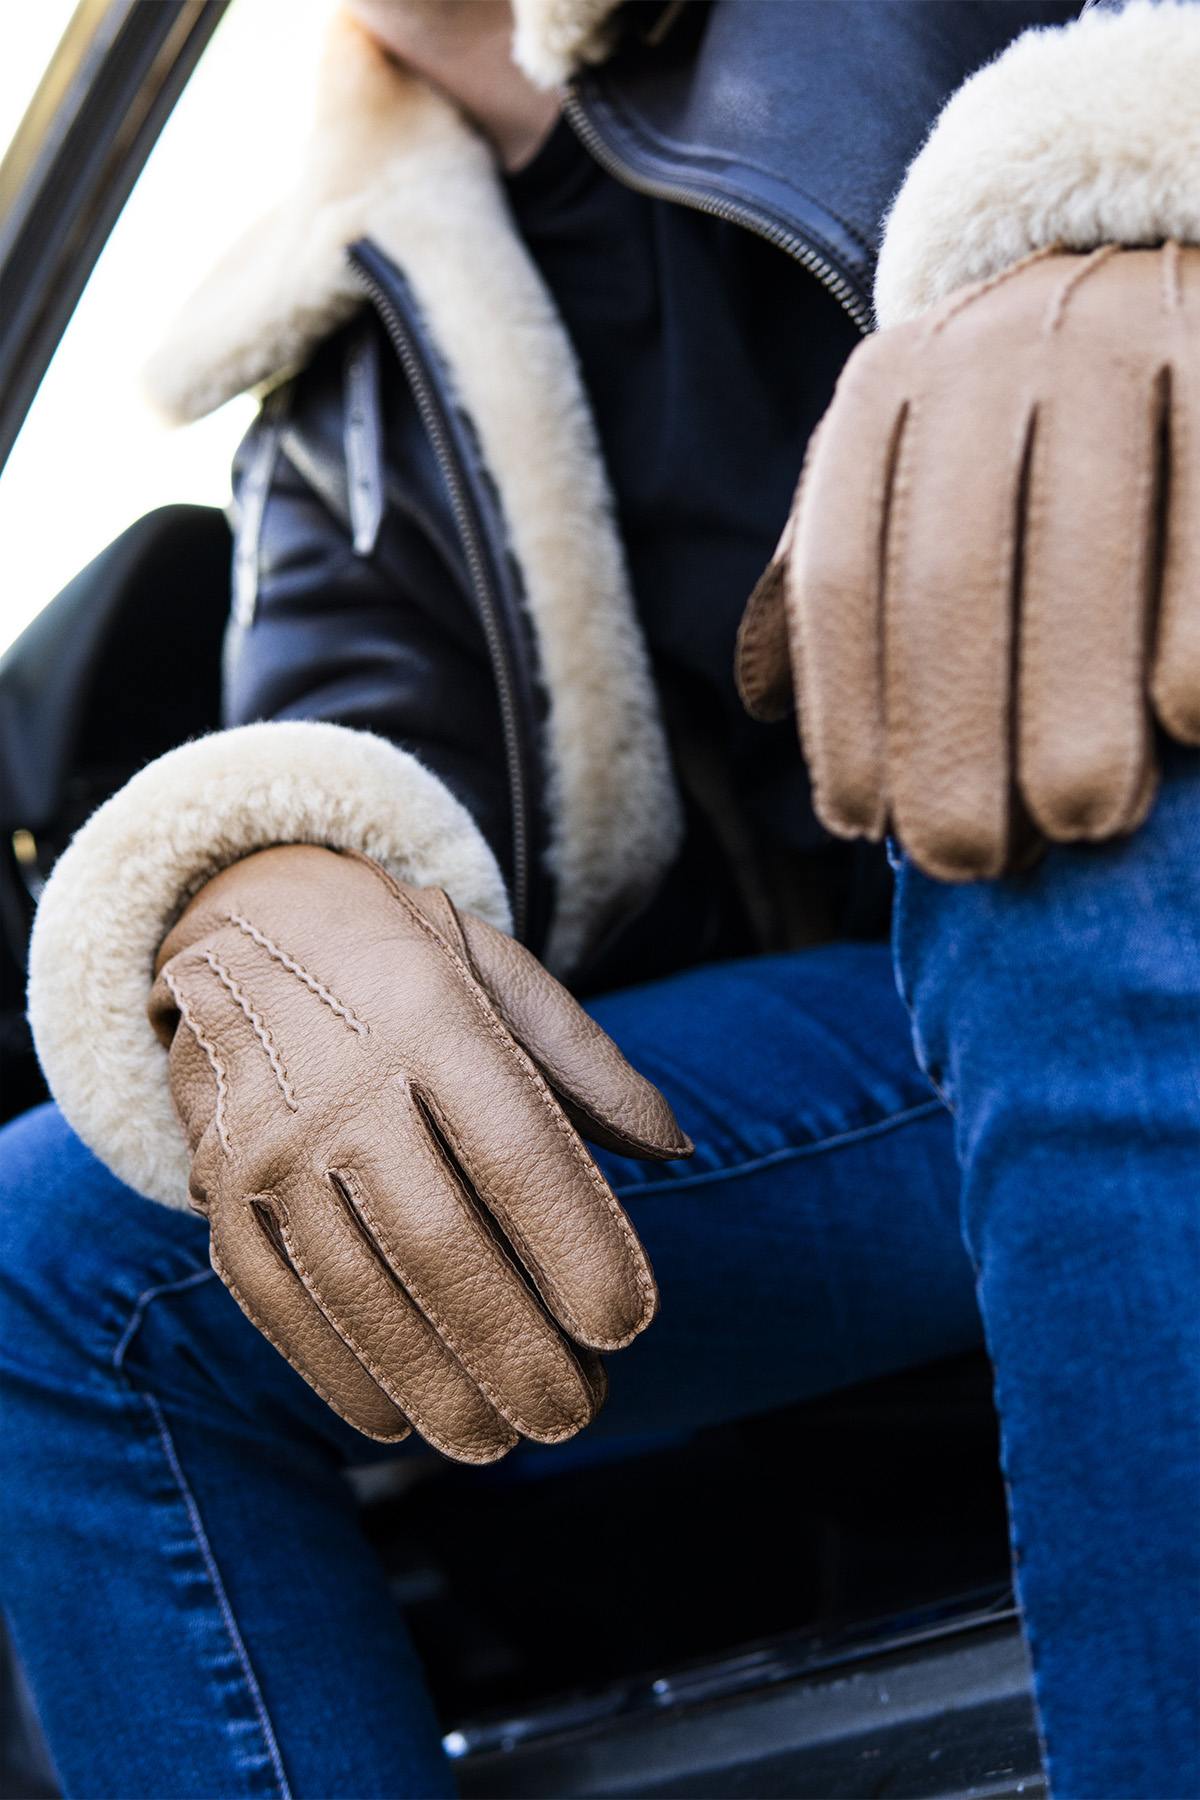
<point>102,101</point>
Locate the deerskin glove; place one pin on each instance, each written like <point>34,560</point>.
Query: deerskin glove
<point>989,584</point>
<point>381,1097</point>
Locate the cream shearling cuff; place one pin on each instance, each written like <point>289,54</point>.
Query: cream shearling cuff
<point>1076,135</point>
<point>129,871</point>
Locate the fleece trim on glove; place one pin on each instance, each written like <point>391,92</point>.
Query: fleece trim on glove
<point>1077,135</point>
<point>127,874</point>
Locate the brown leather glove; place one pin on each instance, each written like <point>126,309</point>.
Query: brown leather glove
<point>381,1097</point>
<point>990,580</point>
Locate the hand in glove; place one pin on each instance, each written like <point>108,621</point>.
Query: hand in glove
<point>990,581</point>
<point>381,1097</point>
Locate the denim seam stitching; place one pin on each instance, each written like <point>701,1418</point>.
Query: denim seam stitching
<point>214,1575</point>
<point>197,1523</point>
<point>142,1302</point>
<point>790,1152</point>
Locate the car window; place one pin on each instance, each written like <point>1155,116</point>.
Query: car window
<point>93,455</point>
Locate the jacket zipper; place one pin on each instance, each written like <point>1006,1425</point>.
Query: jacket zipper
<point>432,414</point>
<point>700,201</point>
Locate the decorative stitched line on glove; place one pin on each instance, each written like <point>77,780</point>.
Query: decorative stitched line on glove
<point>383,1098</point>
<point>989,585</point>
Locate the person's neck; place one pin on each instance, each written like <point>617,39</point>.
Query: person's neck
<point>464,47</point>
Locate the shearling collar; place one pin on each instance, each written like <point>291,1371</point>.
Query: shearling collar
<point>386,158</point>
<point>392,161</point>
<point>554,38</point>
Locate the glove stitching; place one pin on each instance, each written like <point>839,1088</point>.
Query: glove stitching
<point>1170,647</point>
<point>850,807</point>
<point>437,1439</point>
<point>752,638</point>
<point>380,1437</point>
<point>259,1029</point>
<point>750,647</point>
<point>897,724</point>
<point>443,1330</point>
<point>295,968</point>
<point>644,1285</point>
<point>1046,808</point>
<point>210,1051</point>
<point>475,1211</point>
<point>648,1145</point>
<point>983,288</point>
<point>1057,309</point>
<point>1172,277</point>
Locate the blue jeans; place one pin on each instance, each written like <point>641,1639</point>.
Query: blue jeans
<point>177,1541</point>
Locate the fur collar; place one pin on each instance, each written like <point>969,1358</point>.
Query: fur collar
<point>385,158</point>
<point>553,38</point>
<point>393,161</point>
<point>376,132</point>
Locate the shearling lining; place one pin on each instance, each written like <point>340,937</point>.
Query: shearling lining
<point>1075,135</point>
<point>129,871</point>
<point>554,37</point>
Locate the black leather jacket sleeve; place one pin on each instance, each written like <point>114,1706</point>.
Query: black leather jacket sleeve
<point>383,639</point>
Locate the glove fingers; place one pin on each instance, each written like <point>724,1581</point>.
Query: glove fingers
<point>534,1175</point>
<point>194,1088</point>
<point>218,1064</point>
<point>948,622</point>
<point>1175,681</point>
<point>604,1096</point>
<point>762,662</point>
<point>596,1376</point>
<point>362,1300</point>
<point>1088,596</point>
<point>833,588</point>
<point>247,1253</point>
<point>401,1172</point>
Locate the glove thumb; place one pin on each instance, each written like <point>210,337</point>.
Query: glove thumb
<point>602,1094</point>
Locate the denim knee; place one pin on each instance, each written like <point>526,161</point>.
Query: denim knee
<point>77,1247</point>
<point>1057,1010</point>
<point>1083,974</point>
